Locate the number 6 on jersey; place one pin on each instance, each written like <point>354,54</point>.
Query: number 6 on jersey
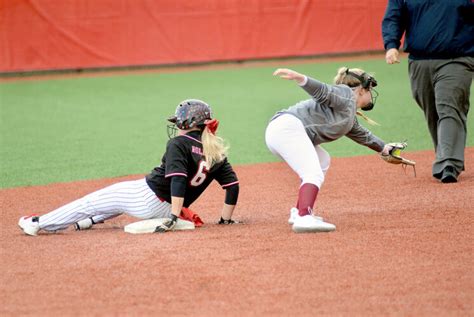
<point>201,174</point>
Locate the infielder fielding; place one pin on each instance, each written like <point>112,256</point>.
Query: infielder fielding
<point>193,158</point>
<point>296,134</point>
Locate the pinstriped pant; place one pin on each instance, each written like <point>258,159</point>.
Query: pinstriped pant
<point>134,198</point>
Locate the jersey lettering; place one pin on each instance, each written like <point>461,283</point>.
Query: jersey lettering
<point>201,174</point>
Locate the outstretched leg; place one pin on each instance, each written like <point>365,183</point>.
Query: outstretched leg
<point>134,198</point>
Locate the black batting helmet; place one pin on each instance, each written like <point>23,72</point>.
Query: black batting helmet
<point>191,113</point>
<point>366,81</point>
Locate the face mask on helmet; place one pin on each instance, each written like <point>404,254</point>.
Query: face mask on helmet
<point>373,95</point>
<point>171,130</point>
<point>189,114</point>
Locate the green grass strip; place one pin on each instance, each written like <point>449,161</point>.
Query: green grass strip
<point>59,130</point>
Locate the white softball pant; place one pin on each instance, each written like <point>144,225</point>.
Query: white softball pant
<point>134,198</point>
<point>286,138</point>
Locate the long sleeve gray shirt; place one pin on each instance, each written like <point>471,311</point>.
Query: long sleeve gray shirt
<point>331,114</point>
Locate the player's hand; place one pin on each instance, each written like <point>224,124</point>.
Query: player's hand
<point>223,221</point>
<point>167,225</point>
<point>386,149</point>
<point>289,74</point>
<point>391,56</point>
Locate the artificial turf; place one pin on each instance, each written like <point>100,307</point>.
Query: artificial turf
<point>65,129</point>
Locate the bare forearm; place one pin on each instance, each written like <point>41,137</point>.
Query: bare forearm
<point>168,224</point>
<point>176,205</point>
<point>227,211</point>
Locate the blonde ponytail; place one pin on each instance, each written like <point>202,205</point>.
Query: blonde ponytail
<point>369,121</point>
<point>214,148</point>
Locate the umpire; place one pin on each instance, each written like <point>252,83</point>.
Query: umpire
<point>439,37</point>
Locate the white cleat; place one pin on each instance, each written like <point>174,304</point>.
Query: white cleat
<point>309,223</point>
<point>84,224</point>
<point>29,225</point>
<point>294,213</point>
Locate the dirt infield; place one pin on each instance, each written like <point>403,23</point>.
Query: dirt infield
<point>403,246</point>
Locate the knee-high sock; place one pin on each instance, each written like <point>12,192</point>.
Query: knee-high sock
<point>306,198</point>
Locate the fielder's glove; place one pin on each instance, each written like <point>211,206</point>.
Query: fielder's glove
<point>394,155</point>
<point>222,221</point>
<point>167,225</point>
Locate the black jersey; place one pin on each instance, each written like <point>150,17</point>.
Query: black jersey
<point>184,157</point>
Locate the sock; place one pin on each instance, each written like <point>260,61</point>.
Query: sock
<point>306,198</point>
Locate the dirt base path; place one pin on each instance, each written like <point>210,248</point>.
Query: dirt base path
<point>403,246</point>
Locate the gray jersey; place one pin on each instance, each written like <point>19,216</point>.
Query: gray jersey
<point>331,114</point>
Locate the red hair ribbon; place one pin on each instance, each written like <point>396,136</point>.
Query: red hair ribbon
<point>212,125</point>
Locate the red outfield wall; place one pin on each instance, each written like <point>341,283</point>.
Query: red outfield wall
<point>68,34</point>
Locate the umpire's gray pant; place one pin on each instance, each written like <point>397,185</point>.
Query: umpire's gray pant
<point>441,87</point>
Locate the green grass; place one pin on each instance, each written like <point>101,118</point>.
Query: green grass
<point>61,130</point>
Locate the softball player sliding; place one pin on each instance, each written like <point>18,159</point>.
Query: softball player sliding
<point>192,160</point>
<point>295,134</point>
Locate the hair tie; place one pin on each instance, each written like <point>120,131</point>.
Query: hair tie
<point>212,125</point>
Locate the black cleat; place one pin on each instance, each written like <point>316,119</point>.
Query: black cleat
<point>449,175</point>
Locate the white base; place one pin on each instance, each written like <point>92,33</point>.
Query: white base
<point>149,226</point>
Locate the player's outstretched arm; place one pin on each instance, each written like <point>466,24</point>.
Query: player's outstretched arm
<point>231,197</point>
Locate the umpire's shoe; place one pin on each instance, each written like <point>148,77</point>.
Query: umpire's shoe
<point>449,175</point>
<point>29,225</point>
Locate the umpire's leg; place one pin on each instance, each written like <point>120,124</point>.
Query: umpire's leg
<point>452,84</point>
<point>421,80</point>
<point>441,88</point>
